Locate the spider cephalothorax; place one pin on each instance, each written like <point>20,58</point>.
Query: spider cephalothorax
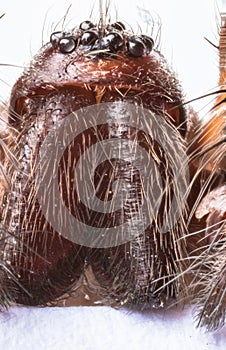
<point>102,176</point>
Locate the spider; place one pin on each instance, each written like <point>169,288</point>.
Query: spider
<point>109,179</point>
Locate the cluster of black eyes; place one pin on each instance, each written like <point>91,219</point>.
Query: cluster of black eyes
<point>113,39</point>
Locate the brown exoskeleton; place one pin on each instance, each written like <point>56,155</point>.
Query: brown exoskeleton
<point>106,173</point>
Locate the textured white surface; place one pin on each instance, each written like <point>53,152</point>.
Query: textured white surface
<point>104,328</point>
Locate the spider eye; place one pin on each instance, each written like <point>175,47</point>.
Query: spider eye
<point>118,26</point>
<point>136,46</point>
<point>113,41</point>
<point>89,37</point>
<point>148,42</point>
<point>55,38</point>
<point>86,25</point>
<point>67,44</point>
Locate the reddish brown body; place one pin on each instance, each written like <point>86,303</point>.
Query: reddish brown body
<point>90,66</point>
<point>55,85</point>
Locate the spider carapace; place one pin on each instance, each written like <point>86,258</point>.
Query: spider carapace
<point>108,179</point>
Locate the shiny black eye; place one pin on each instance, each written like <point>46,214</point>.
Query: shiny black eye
<point>55,38</point>
<point>86,25</point>
<point>148,42</point>
<point>136,46</point>
<point>118,26</point>
<point>89,37</point>
<point>67,44</point>
<point>113,41</point>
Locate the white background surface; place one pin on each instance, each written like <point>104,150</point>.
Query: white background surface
<point>184,25</point>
